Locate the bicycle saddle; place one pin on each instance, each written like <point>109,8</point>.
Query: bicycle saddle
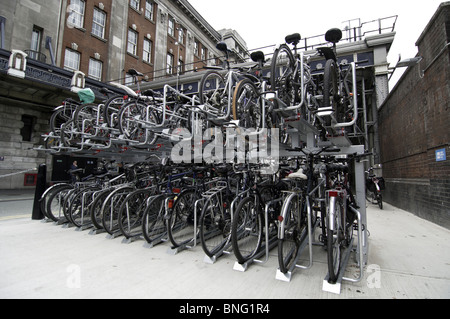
<point>333,35</point>
<point>133,72</point>
<point>257,56</point>
<point>293,38</point>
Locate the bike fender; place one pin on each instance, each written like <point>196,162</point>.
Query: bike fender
<point>284,212</point>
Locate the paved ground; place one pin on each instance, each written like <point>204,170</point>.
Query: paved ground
<point>409,258</point>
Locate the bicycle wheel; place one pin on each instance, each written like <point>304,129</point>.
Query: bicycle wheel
<point>282,75</point>
<point>330,89</point>
<point>181,221</point>
<point>247,105</point>
<point>247,229</point>
<point>61,116</point>
<point>111,110</point>
<point>95,209</point>
<point>131,212</point>
<point>334,237</point>
<point>55,201</point>
<point>380,201</point>
<point>212,92</point>
<point>80,207</point>
<point>153,221</point>
<point>110,209</point>
<point>215,226</point>
<point>291,230</point>
<point>133,120</point>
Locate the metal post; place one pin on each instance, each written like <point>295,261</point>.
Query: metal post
<point>41,186</point>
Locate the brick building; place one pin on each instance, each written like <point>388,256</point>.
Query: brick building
<point>102,39</point>
<point>415,131</point>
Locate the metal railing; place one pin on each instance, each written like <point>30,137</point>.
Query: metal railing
<point>353,34</point>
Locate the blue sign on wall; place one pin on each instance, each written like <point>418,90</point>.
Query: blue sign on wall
<point>441,155</point>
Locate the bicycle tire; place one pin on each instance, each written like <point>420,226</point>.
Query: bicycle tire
<point>246,105</point>
<point>217,96</point>
<point>246,226</point>
<point>60,117</point>
<point>96,208</point>
<point>153,220</point>
<point>282,76</point>
<point>330,89</point>
<point>110,210</point>
<point>112,106</point>
<point>289,244</point>
<point>380,201</point>
<point>334,240</point>
<point>215,227</point>
<point>133,130</point>
<point>131,212</point>
<point>55,201</point>
<point>180,225</point>
<point>79,211</point>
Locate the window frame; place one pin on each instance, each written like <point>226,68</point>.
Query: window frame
<point>171,26</point>
<point>147,52</point>
<point>133,44</point>
<point>69,53</point>
<point>97,24</point>
<point>74,15</point>
<point>150,4</point>
<point>170,59</point>
<point>93,61</point>
<point>135,4</point>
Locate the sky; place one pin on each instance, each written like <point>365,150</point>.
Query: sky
<point>266,22</point>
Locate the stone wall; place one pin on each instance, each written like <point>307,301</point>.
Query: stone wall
<point>17,155</point>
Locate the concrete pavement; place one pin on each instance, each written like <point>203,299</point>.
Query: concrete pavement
<point>409,258</point>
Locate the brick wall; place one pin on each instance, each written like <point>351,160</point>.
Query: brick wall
<point>414,123</point>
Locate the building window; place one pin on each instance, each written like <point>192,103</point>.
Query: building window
<point>196,47</point>
<point>28,127</point>
<point>76,15</point>
<point>147,56</point>
<point>72,60</point>
<point>171,29</point>
<point>134,4</point>
<point>99,23</point>
<point>129,80</point>
<point>180,66</point>
<point>181,35</point>
<point>2,32</point>
<point>203,55</point>
<point>36,38</point>
<point>95,69</point>
<point>170,59</point>
<point>149,10</point>
<point>132,42</point>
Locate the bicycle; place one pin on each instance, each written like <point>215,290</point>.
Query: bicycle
<point>341,207</point>
<point>249,219</point>
<point>339,103</point>
<point>248,96</point>
<point>157,220</point>
<point>216,90</point>
<point>374,186</point>
<point>299,212</point>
